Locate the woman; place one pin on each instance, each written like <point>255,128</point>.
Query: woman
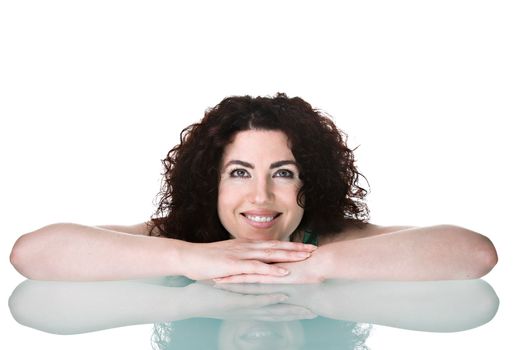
<point>249,194</point>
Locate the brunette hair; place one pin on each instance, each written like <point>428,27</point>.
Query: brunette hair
<point>330,194</point>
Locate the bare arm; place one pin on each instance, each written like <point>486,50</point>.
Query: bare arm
<point>432,306</point>
<point>442,252</point>
<point>67,251</point>
<point>72,252</point>
<point>426,253</point>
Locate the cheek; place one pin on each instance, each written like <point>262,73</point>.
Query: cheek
<point>299,212</point>
<point>290,198</point>
<point>226,205</point>
<point>222,206</point>
<point>226,196</point>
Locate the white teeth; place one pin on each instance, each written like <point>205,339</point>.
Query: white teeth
<point>260,218</point>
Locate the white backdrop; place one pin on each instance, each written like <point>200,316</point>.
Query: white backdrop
<point>93,94</point>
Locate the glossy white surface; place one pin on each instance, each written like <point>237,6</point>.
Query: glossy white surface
<point>244,316</point>
<point>94,95</point>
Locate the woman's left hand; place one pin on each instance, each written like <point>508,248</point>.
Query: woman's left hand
<point>310,270</point>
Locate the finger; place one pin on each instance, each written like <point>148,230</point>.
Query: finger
<point>235,303</point>
<point>249,278</point>
<point>275,244</point>
<point>280,312</point>
<point>258,267</point>
<point>243,301</point>
<point>276,255</point>
<point>283,310</point>
<point>252,288</point>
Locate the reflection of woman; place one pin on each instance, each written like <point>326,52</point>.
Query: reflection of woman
<point>187,312</point>
<point>319,333</point>
<point>243,189</point>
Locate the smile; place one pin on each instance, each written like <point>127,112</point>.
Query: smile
<point>261,221</point>
<point>260,218</point>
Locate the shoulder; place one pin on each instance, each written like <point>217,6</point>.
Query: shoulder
<point>353,230</point>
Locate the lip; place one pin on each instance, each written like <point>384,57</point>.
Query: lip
<point>261,212</point>
<point>261,225</point>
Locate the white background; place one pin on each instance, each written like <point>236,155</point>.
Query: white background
<point>93,94</point>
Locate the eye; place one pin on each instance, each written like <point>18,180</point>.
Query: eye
<point>284,173</point>
<point>239,173</point>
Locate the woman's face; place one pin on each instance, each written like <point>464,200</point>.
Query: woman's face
<point>258,187</point>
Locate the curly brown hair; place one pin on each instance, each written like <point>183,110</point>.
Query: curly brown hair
<point>330,194</point>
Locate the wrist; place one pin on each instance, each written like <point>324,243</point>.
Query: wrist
<point>325,262</point>
<point>175,256</point>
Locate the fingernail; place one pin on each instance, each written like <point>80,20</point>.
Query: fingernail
<point>303,254</point>
<point>284,271</point>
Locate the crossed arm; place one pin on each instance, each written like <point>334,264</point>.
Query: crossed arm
<point>442,252</point>
<point>77,252</point>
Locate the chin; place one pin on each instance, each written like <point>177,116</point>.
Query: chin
<point>260,236</point>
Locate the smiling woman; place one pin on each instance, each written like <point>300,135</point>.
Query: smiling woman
<point>244,192</point>
<point>258,197</point>
<point>250,148</point>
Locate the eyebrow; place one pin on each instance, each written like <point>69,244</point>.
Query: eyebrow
<point>272,166</point>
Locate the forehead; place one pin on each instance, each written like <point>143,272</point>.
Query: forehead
<point>258,144</point>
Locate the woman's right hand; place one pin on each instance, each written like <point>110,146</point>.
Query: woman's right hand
<point>238,256</point>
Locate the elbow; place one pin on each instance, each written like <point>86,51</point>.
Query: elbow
<point>477,255</point>
<point>19,256</point>
<point>24,256</point>
<point>485,257</point>
<point>488,257</point>
<point>28,254</point>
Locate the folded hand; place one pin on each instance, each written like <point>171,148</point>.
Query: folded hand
<point>310,270</point>
<point>242,256</point>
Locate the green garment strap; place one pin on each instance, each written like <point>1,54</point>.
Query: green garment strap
<point>310,237</point>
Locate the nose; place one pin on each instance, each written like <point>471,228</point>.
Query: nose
<point>262,192</point>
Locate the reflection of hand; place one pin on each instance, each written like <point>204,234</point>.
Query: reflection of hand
<point>303,295</point>
<point>436,306</point>
<point>240,256</point>
<point>310,270</point>
<point>68,307</point>
<point>224,304</point>
<point>74,307</point>
<point>269,313</point>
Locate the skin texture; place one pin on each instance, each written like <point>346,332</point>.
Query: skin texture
<point>256,187</point>
<point>441,252</point>
<point>73,252</point>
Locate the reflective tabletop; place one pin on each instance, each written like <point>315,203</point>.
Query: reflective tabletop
<point>184,314</point>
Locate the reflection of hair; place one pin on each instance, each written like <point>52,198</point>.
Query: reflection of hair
<point>330,192</point>
<point>203,333</point>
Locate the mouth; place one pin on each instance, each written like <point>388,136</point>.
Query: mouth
<point>261,220</point>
